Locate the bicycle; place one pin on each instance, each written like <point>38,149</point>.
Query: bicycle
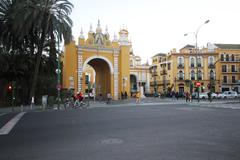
<point>80,104</point>
<point>68,103</point>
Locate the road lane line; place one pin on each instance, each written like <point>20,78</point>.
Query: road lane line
<point>2,114</point>
<point>10,124</point>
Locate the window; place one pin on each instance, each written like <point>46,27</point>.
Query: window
<point>224,68</point>
<point>211,60</point>
<point>227,57</point>
<point>233,68</point>
<point>192,62</point>
<point>222,57</point>
<point>131,63</point>
<point>211,75</point>
<point>180,61</point>
<point>180,75</point>
<point>232,58</point>
<point>233,79</point>
<point>199,62</point>
<point>224,79</point>
<point>87,79</point>
<point>192,75</point>
<point>169,66</point>
<point>199,75</point>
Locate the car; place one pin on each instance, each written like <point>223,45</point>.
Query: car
<point>203,95</point>
<point>214,95</point>
<point>228,94</point>
<point>194,95</point>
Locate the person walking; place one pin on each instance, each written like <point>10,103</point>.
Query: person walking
<point>125,95</point>
<point>138,97</point>
<point>173,95</point>
<point>177,95</point>
<point>109,98</point>
<point>209,96</point>
<point>187,96</point>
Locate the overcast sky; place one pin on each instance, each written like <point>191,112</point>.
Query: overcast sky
<point>157,26</point>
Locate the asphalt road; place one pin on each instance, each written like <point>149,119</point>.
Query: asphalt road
<point>170,132</point>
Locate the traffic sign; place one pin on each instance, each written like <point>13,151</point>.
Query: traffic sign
<point>198,84</point>
<point>59,86</point>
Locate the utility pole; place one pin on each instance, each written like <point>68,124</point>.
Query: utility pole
<point>196,36</point>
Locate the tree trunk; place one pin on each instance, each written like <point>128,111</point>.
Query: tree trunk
<point>39,54</point>
<point>36,70</point>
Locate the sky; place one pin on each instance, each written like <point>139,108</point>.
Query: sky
<point>158,26</point>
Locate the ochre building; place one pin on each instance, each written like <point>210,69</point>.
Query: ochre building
<point>216,67</point>
<point>100,64</point>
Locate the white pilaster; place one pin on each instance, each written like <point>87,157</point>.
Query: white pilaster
<point>80,69</point>
<point>115,74</point>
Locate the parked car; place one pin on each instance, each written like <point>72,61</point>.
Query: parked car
<point>194,95</point>
<point>228,94</point>
<point>214,95</point>
<point>203,95</point>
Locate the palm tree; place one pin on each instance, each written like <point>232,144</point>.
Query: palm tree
<point>37,21</point>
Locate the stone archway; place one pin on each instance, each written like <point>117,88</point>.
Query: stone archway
<point>103,73</point>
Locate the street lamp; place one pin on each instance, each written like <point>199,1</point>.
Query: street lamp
<point>58,76</point>
<point>196,36</point>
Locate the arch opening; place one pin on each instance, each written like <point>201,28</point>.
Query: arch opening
<point>101,77</point>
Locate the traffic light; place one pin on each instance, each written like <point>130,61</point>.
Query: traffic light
<point>10,87</point>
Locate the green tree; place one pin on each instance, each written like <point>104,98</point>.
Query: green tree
<point>33,24</point>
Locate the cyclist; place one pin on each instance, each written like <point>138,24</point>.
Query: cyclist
<point>79,99</point>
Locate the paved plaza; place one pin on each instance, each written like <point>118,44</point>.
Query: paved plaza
<point>164,130</point>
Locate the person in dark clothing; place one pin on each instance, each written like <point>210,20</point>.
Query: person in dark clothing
<point>125,95</point>
<point>209,96</point>
<point>122,96</point>
<point>176,95</point>
<point>187,96</point>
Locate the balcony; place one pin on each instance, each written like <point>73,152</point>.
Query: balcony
<point>160,83</point>
<point>180,78</point>
<point>192,65</point>
<point>164,72</point>
<point>199,65</point>
<point>180,66</point>
<point>231,71</point>
<point>211,66</point>
<point>229,83</point>
<point>231,61</point>
<point>154,74</point>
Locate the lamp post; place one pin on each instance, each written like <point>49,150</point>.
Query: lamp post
<point>196,36</point>
<point>58,76</point>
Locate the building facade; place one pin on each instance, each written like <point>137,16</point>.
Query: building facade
<point>227,66</point>
<point>100,64</point>
<point>216,68</point>
<point>139,75</point>
<point>160,73</point>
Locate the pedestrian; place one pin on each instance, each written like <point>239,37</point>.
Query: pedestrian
<point>177,95</point>
<point>109,98</point>
<point>209,96</point>
<point>138,97</point>
<point>100,97</point>
<point>122,96</point>
<point>125,95</point>
<point>187,96</point>
<point>173,95</point>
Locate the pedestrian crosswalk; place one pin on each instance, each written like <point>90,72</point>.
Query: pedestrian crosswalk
<point>10,124</point>
<point>2,114</point>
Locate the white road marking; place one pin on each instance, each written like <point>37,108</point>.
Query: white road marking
<point>10,124</point>
<point>2,114</point>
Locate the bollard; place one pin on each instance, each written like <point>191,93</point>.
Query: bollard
<point>21,108</point>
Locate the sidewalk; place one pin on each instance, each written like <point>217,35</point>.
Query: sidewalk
<point>230,103</point>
